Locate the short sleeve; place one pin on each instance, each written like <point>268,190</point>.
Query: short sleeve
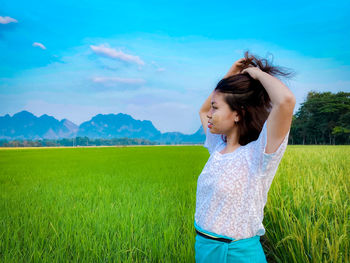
<point>267,163</point>
<point>212,140</point>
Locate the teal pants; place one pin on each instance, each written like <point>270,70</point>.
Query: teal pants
<point>240,251</point>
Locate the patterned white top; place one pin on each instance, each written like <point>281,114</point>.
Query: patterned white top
<point>232,188</point>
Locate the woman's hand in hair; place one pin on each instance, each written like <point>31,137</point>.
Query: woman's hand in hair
<point>254,72</point>
<point>236,67</point>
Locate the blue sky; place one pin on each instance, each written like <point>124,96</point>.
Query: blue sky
<point>159,60</point>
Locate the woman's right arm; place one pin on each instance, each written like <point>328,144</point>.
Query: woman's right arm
<point>204,111</point>
<point>206,105</point>
<point>235,69</point>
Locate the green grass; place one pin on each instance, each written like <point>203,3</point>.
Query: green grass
<point>137,204</point>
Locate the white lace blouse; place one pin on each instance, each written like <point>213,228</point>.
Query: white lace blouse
<point>232,188</point>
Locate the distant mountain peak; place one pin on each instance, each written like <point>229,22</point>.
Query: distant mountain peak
<point>23,113</point>
<point>48,117</point>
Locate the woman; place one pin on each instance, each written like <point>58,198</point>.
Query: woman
<point>247,120</point>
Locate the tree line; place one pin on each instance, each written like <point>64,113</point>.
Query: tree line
<point>324,118</point>
<point>77,141</point>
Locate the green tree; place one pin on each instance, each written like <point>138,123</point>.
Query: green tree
<point>324,118</point>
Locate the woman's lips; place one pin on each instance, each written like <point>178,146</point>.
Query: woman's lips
<point>210,125</point>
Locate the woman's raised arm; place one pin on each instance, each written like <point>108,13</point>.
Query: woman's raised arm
<point>283,102</point>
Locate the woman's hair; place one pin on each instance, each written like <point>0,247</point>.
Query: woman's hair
<point>249,98</point>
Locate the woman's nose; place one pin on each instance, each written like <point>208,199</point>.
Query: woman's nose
<point>209,114</point>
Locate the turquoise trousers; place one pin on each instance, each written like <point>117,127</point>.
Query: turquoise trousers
<point>242,250</point>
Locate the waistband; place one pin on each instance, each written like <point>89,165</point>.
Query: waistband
<point>226,240</point>
<point>210,235</point>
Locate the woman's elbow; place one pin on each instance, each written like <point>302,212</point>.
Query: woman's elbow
<point>289,101</point>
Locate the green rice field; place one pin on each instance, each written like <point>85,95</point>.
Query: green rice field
<point>137,204</point>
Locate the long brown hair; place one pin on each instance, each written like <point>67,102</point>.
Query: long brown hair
<point>249,98</point>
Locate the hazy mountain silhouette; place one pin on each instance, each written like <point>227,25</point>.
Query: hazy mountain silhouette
<point>25,125</point>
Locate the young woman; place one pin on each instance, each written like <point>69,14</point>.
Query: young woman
<point>247,120</point>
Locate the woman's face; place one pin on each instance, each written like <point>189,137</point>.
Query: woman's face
<point>221,119</point>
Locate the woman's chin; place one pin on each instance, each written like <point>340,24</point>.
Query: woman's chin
<point>212,130</point>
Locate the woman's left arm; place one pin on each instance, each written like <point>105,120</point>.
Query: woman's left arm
<point>283,102</point>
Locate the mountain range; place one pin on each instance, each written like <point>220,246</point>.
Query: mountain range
<point>25,125</point>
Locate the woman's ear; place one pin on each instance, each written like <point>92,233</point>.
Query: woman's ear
<point>236,117</point>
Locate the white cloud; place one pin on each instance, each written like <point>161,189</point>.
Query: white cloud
<point>7,19</point>
<point>117,80</point>
<point>112,53</point>
<point>157,65</point>
<point>36,44</point>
